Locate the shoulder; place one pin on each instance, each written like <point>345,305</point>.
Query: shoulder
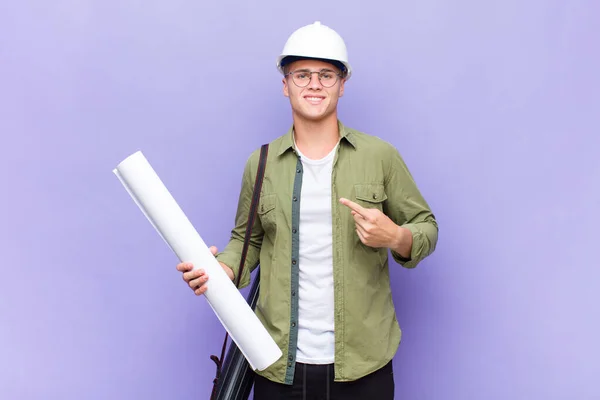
<point>372,144</point>
<point>274,146</point>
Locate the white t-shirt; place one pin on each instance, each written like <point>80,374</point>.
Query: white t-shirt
<point>316,338</point>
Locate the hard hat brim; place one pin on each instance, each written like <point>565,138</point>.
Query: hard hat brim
<point>284,60</point>
<point>290,59</point>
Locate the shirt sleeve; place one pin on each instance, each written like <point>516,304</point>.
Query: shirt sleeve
<point>232,253</point>
<point>406,206</point>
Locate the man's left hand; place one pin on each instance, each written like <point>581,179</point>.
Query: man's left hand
<point>374,228</point>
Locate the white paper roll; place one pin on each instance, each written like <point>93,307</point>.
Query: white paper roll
<point>152,197</point>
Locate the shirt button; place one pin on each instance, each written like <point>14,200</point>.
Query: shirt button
<point>375,195</point>
<point>293,292</point>
<point>290,358</point>
<point>298,170</point>
<point>294,262</point>
<point>294,230</point>
<point>293,324</point>
<point>289,365</point>
<point>295,198</point>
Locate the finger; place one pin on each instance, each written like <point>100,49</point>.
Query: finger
<point>353,206</point>
<point>188,276</point>
<point>196,283</point>
<point>213,250</point>
<point>364,232</point>
<point>360,235</point>
<point>201,290</point>
<point>184,267</point>
<point>355,214</point>
<point>366,223</point>
<point>369,215</point>
<point>361,221</point>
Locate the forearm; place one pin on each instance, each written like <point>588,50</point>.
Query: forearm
<point>423,238</point>
<point>230,259</point>
<point>403,242</point>
<point>227,270</point>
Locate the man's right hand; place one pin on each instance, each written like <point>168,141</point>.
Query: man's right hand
<point>197,279</point>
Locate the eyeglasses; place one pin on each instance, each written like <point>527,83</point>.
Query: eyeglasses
<point>302,77</point>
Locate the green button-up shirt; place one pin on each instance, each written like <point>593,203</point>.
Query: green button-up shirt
<point>370,172</point>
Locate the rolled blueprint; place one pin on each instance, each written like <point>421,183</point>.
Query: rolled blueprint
<point>158,205</point>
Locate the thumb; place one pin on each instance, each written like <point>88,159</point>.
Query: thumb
<point>213,250</point>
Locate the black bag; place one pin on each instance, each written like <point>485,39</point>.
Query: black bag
<point>234,377</point>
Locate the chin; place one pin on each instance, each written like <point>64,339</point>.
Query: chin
<point>314,115</point>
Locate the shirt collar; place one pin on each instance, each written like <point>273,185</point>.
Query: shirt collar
<point>287,141</point>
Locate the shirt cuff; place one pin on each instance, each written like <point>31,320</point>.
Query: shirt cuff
<point>416,250</point>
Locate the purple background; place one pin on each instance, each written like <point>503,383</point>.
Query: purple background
<point>495,107</point>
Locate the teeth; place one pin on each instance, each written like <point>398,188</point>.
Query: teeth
<point>314,98</point>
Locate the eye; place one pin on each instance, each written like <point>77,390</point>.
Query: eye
<point>327,75</point>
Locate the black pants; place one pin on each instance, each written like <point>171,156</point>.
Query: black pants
<point>315,382</point>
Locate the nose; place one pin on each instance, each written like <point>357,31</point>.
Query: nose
<point>315,82</point>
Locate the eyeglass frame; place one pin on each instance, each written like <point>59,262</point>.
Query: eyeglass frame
<point>338,75</point>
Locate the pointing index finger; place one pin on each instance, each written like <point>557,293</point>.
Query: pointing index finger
<point>353,206</point>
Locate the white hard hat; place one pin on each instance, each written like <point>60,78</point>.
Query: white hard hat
<point>316,41</point>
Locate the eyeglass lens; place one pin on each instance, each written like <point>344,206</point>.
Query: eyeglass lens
<point>326,77</point>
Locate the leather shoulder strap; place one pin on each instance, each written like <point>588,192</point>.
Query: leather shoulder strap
<point>260,173</point>
<point>264,150</point>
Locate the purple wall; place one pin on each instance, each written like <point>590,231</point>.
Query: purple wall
<point>494,105</point>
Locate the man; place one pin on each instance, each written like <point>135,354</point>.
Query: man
<point>333,201</point>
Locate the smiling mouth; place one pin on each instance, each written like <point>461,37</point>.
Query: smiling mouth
<point>314,99</point>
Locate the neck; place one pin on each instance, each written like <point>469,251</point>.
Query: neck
<point>316,139</point>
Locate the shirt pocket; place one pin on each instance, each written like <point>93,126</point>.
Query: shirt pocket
<point>267,208</point>
<point>370,195</point>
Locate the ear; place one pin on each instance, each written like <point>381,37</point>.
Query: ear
<point>286,91</point>
<point>341,92</point>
